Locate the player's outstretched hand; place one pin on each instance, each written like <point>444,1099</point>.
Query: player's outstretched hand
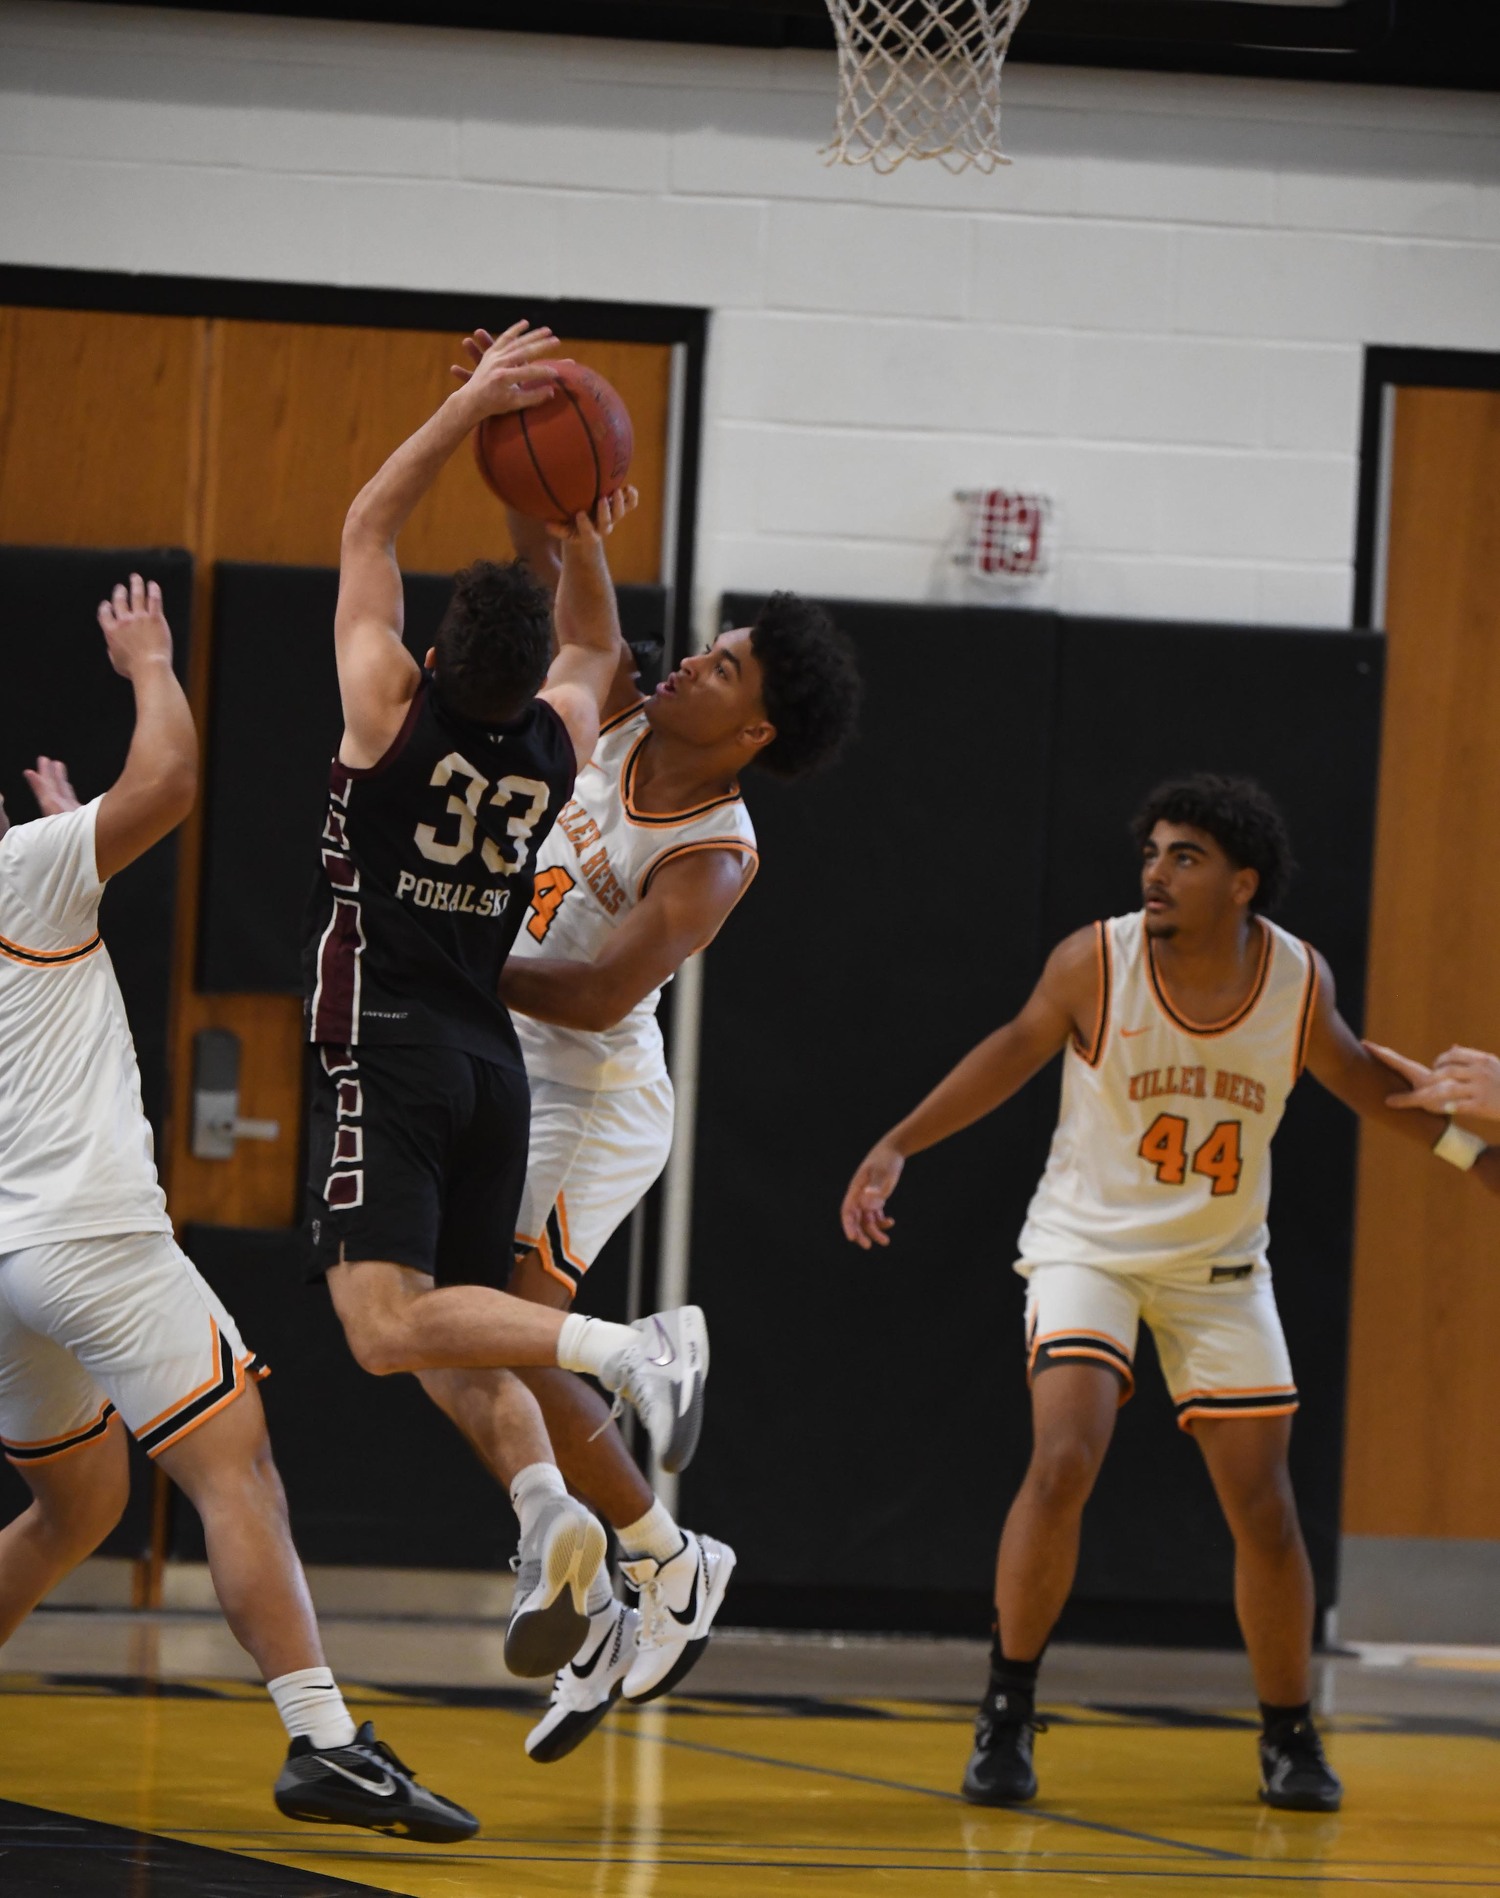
<point>589,531</point>
<point>504,373</point>
<point>1460,1081</point>
<point>51,788</point>
<point>863,1214</point>
<point>134,626</point>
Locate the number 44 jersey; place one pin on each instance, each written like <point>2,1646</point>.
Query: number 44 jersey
<point>424,877</point>
<point>1162,1155</point>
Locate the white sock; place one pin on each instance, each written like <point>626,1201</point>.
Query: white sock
<point>655,1535</point>
<point>601,1595</point>
<point>538,1483</point>
<point>592,1345</point>
<point>309,1702</point>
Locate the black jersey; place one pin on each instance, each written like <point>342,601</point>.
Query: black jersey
<point>426,873</point>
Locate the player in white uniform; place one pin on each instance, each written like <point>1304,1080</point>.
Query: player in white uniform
<point>641,871</point>
<point>102,1318</point>
<point>1185,1027</point>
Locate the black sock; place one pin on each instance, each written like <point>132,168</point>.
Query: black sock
<point>1016,1680</point>
<point>1276,1720</point>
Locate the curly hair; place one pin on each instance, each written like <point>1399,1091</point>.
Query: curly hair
<point>809,683</point>
<point>494,642</point>
<point>1239,816</point>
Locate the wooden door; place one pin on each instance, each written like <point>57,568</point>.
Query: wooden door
<point>1424,1399</point>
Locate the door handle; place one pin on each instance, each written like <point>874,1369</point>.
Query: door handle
<point>217,1123</point>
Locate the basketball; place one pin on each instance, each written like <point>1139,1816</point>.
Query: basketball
<point>563,457</point>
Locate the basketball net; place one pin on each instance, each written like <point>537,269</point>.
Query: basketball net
<point>921,79</point>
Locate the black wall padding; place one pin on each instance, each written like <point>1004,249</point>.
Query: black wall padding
<point>374,1473</point>
<point>274,727</point>
<point>65,700</point>
<point>868,1418</point>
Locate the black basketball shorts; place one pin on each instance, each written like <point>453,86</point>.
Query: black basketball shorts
<point>416,1155</point>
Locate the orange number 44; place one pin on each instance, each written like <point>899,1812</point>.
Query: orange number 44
<point>547,893</point>
<point>1164,1147</point>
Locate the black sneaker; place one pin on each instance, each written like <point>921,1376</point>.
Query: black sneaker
<point>364,1784</point>
<point>1000,1772</point>
<point>1294,1773</point>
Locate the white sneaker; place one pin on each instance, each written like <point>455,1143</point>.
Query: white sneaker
<point>554,1568</point>
<point>588,1686</point>
<point>679,1600</point>
<point>663,1377</point>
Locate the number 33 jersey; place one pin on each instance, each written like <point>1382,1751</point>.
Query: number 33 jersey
<point>595,868</point>
<point>1162,1155</point>
<point>426,864</point>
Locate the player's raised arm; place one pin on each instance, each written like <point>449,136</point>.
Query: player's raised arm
<point>1349,1070</point>
<point>1064,1002</point>
<point>680,914</point>
<point>590,646</point>
<point>377,675</point>
<point>155,790</point>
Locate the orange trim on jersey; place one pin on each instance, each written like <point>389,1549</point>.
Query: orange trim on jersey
<point>1204,1029</point>
<point>1104,961</point>
<point>1252,1390</point>
<point>1201,1413</point>
<point>66,1443</point>
<point>620,718</point>
<point>1308,1010</point>
<point>703,843</point>
<point>648,820</point>
<point>1124,1360</point>
<point>48,958</point>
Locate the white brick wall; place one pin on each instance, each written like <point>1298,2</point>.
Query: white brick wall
<point>1158,311</point>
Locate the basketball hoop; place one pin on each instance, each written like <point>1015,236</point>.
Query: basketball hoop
<point>921,79</point>
<point>1008,541</point>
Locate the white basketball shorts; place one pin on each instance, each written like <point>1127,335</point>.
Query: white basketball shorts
<point>1221,1346</point>
<point>591,1159</point>
<point>127,1324</point>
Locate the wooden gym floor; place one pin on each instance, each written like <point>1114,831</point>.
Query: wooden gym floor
<point>136,1759</point>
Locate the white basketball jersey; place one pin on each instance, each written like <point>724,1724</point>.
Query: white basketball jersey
<point>1162,1155</point>
<point>76,1158</point>
<point>594,867</point>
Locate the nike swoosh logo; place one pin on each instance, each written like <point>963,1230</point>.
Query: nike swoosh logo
<point>584,1668</point>
<point>689,1614</point>
<point>668,1355</point>
<point>383,1788</point>
<point>1129,1034</point>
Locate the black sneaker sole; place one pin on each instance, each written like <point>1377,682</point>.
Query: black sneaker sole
<point>542,1644</point>
<point>997,1796</point>
<point>571,1732</point>
<point>689,1658</point>
<point>1302,1802</point>
<point>421,1828</point>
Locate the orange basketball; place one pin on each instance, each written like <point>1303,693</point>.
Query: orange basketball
<point>562,457</point>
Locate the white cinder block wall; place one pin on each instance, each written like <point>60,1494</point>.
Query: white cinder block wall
<point>1158,312</point>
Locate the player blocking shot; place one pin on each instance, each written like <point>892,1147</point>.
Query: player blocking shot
<point>1183,1029</point>
<point>448,778</point>
<point>649,857</point>
<point>103,1320</point>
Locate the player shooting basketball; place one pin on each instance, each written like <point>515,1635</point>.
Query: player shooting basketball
<point>447,780</point>
<point>1183,1028</point>
<point>647,861</point>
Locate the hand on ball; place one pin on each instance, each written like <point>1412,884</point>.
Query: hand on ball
<point>504,372</point>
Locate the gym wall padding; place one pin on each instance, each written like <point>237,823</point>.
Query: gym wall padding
<point>66,701</point>
<point>275,726</point>
<point>868,1417</point>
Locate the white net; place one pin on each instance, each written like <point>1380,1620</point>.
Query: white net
<point>921,79</point>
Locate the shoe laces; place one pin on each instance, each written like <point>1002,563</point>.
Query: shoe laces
<point>645,1576</point>
<point>384,1752</point>
<point>991,1723</point>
